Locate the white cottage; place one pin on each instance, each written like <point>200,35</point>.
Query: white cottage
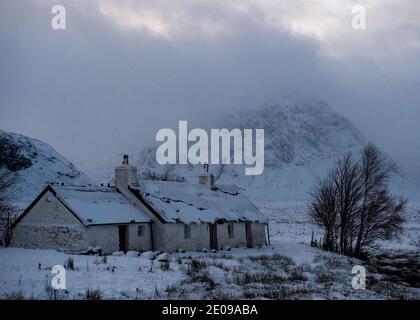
<point>140,215</point>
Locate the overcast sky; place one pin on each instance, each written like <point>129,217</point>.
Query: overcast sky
<point>123,69</point>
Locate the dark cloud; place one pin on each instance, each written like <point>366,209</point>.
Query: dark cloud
<point>123,69</point>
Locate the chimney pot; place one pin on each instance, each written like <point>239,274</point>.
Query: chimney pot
<point>126,175</point>
<point>125,159</point>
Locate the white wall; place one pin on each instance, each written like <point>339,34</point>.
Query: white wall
<point>258,231</point>
<point>107,237</point>
<point>170,236</point>
<point>49,225</point>
<point>139,243</point>
<point>238,239</point>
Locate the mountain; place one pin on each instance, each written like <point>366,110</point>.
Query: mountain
<point>302,141</point>
<point>34,163</point>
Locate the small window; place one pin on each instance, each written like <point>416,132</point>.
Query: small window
<point>230,230</point>
<point>187,231</point>
<point>140,231</point>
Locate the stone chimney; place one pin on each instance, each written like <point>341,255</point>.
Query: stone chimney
<point>203,178</point>
<point>126,175</point>
<point>206,179</point>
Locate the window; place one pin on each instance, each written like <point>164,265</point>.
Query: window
<point>140,231</point>
<point>230,230</point>
<point>187,231</point>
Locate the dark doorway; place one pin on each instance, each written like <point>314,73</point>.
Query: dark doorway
<point>123,238</point>
<point>213,235</point>
<point>248,235</point>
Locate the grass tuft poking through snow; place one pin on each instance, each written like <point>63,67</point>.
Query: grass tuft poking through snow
<point>265,273</point>
<point>93,294</point>
<point>69,263</point>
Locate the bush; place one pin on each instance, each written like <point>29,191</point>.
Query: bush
<point>197,265</point>
<point>324,276</point>
<point>91,294</point>
<point>296,274</point>
<point>273,262</point>
<point>69,263</point>
<point>205,278</point>
<point>171,289</point>
<point>264,278</point>
<point>165,265</point>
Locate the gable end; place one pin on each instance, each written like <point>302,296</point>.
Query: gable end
<point>50,189</point>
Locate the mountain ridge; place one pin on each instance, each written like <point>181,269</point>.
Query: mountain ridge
<point>34,163</point>
<point>302,141</point>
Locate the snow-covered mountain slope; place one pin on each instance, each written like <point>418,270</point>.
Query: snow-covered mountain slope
<point>302,141</point>
<point>34,164</point>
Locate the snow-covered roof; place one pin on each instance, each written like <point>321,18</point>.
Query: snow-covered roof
<point>186,202</point>
<point>100,205</point>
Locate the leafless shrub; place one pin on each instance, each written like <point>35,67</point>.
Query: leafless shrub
<point>93,294</point>
<point>8,212</point>
<point>258,277</point>
<point>324,276</point>
<point>196,266</point>
<point>296,274</point>
<point>165,265</point>
<point>171,290</point>
<point>69,263</point>
<point>353,205</point>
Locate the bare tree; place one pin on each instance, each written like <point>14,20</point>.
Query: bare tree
<point>323,211</point>
<point>380,214</point>
<point>346,180</point>
<point>353,204</point>
<point>7,212</point>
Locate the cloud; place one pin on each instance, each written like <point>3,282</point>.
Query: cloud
<point>123,69</point>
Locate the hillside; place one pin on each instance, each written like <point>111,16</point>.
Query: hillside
<point>302,140</point>
<point>34,163</point>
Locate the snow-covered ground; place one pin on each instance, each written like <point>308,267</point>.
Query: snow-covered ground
<point>288,269</point>
<point>289,221</point>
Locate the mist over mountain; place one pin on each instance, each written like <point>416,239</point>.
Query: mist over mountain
<point>302,141</point>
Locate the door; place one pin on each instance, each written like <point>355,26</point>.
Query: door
<point>248,235</point>
<point>213,236</point>
<point>123,237</point>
